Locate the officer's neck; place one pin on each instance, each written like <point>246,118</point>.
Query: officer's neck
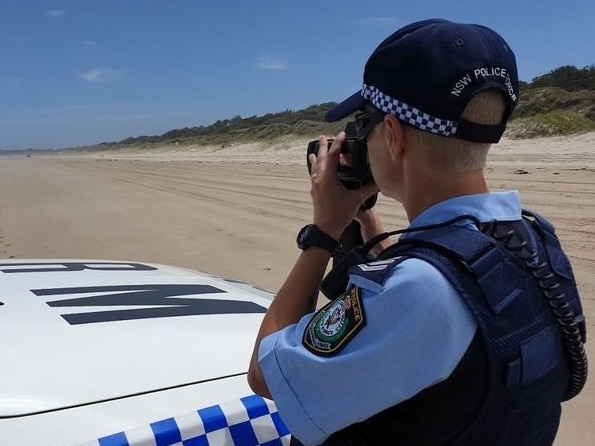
<point>424,191</point>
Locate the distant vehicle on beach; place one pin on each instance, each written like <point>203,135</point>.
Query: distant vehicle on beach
<point>113,353</point>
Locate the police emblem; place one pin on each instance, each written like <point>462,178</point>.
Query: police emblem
<point>335,324</point>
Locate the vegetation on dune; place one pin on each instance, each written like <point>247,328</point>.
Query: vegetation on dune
<point>567,77</point>
<point>561,102</point>
<point>558,103</point>
<point>553,111</point>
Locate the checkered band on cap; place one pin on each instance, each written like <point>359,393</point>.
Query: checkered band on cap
<point>408,113</point>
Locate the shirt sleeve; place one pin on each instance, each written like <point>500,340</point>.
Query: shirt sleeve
<point>417,330</point>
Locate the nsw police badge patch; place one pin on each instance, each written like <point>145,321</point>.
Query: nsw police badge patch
<point>335,324</point>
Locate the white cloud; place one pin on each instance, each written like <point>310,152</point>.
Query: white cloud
<point>102,74</point>
<point>90,43</point>
<point>11,80</point>
<point>55,13</point>
<point>272,63</point>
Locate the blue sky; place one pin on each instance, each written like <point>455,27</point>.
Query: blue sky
<point>80,72</point>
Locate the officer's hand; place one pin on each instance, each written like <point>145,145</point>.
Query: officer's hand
<point>335,206</point>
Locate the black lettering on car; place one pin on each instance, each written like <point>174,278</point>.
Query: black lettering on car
<point>161,297</point>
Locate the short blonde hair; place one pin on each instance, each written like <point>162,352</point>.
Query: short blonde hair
<point>452,155</point>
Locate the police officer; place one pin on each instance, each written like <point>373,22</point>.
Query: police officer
<point>453,335</point>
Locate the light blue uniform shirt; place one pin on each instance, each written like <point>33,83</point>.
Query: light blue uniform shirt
<point>417,330</point>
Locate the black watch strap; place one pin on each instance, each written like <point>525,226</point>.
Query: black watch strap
<point>310,235</point>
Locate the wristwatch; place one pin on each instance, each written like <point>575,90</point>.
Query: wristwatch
<point>310,235</point>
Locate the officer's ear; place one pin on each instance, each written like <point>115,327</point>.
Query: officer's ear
<point>394,134</point>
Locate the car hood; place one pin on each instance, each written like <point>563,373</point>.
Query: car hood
<point>79,332</point>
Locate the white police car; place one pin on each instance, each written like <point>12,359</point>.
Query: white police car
<point>115,353</point>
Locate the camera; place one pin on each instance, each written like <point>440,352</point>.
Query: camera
<point>358,173</point>
<point>355,175</point>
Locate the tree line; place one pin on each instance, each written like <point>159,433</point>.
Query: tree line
<point>563,86</point>
<point>568,77</point>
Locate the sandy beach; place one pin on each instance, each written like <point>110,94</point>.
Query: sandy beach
<point>234,212</point>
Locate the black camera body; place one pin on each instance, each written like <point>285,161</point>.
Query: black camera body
<point>358,173</point>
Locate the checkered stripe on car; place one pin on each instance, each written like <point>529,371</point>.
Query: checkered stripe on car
<point>248,421</point>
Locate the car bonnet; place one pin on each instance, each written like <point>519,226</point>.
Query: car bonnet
<point>76,332</point>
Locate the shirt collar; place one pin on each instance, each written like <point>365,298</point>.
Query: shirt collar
<point>503,206</point>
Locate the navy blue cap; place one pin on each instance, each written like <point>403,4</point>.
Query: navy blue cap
<point>426,73</point>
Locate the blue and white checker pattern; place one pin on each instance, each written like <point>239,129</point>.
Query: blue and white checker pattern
<point>248,421</point>
<point>408,113</point>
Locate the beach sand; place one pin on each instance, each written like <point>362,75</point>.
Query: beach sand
<point>235,212</point>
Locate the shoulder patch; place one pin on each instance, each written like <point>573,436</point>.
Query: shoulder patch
<point>335,324</point>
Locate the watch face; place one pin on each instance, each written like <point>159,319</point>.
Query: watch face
<point>303,236</point>
<point>310,235</point>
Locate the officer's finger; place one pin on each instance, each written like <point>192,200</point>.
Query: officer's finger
<point>337,143</point>
<point>322,145</point>
<point>312,159</point>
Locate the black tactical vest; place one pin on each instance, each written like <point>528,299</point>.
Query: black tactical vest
<point>526,358</point>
